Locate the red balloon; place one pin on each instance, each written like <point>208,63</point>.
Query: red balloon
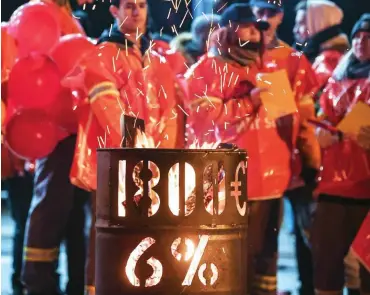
<point>64,111</point>
<point>69,50</point>
<point>31,134</point>
<point>36,28</point>
<point>34,82</point>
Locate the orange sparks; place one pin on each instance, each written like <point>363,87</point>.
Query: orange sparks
<point>114,64</point>
<point>169,13</point>
<point>222,7</point>
<point>200,1</point>
<point>183,110</point>
<point>123,22</point>
<point>184,18</point>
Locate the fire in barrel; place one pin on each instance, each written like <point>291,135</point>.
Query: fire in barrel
<point>171,221</point>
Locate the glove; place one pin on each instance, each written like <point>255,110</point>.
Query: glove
<point>309,176</point>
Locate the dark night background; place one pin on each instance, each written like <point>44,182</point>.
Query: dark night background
<point>100,17</point>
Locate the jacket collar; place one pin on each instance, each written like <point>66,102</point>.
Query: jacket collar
<point>116,36</point>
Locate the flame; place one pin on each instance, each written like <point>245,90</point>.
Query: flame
<point>204,146</point>
<point>122,188</point>
<point>190,248</point>
<point>221,199</point>
<point>199,251</point>
<point>174,189</point>
<point>154,263</point>
<point>143,141</point>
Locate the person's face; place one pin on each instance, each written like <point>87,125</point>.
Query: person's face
<point>131,15</point>
<point>300,29</point>
<point>273,17</point>
<point>361,46</point>
<point>248,32</point>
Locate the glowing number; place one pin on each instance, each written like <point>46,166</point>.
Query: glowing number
<point>208,187</point>
<point>174,189</point>
<point>237,192</point>
<point>156,276</point>
<point>151,183</point>
<point>121,188</point>
<point>154,263</point>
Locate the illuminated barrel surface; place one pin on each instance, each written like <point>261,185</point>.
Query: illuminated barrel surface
<point>171,222</point>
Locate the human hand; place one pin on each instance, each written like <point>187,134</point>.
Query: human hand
<point>363,137</point>
<point>255,96</point>
<point>205,101</point>
<point>326,138</point>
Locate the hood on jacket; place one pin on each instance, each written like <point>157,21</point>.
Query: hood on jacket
<point>323,19</point>
<point>321,15</point>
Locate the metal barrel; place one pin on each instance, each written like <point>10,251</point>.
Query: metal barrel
<point>171,222</point>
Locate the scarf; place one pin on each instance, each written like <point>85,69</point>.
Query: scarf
<point>245,54</point>
<point>274,43</point>
<point>358,70</point>
<point>313,48</point>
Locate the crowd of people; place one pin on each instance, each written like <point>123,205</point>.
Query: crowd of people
<point>203,86</point>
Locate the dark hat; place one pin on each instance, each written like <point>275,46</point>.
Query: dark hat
<point>241,13</point>
<point>270,4</point>
<point>362,25</point>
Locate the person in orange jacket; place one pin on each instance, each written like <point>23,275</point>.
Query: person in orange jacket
<point>225,106</point>
<point>317,33</point>
<point>123,76</point>
<point>57,208</point>
<point>17,179</point>
<point>344,187</point>
<point>361,244</point>
<point>306,155</point>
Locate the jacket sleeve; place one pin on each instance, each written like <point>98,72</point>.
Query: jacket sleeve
<point>170,130</point>
<point>324,66</point>
<point>105,104</point>
<point>305,88</point>
<point>101,86</point>
<point>167,119</point>
<point>215,95</point>
<point>332,90</point>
